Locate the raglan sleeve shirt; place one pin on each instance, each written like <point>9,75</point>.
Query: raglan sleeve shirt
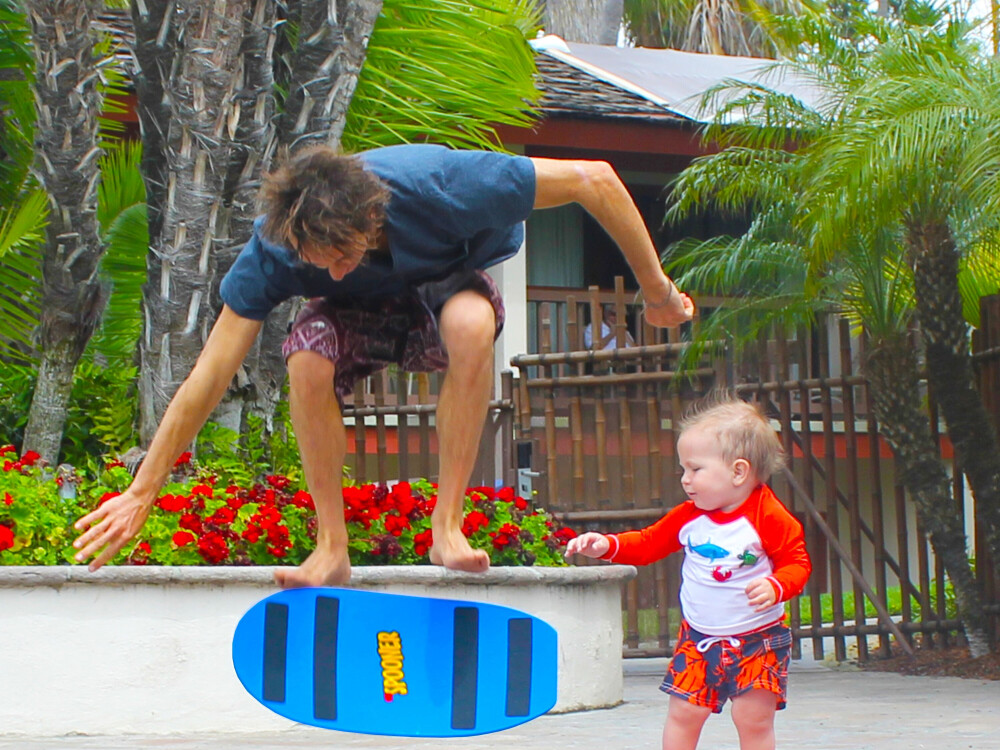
<point>723,553</point>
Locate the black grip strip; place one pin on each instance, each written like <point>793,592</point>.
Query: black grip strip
<point>518,666</point>
<point>275,650</point>
<point>465,671</point>
<point>325,658</point>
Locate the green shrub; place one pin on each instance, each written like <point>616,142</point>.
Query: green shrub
<point>199,519</point>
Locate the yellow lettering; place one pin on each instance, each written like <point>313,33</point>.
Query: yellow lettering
<point>390,649</point>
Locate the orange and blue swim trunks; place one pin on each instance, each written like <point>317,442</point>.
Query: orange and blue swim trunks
<point>709,670</point>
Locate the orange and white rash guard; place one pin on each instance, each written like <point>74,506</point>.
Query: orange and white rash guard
<point>723,552</point>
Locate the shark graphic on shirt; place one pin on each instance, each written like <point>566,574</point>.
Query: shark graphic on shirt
<point>712,551</point>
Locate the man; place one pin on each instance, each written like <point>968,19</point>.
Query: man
<point>390,247</point>
<point>609,332</point>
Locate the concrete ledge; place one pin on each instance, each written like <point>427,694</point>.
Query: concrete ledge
<point>147,649</point>
<point>12,576</point>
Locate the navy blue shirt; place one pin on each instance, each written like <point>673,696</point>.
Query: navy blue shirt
<point>448,210</point>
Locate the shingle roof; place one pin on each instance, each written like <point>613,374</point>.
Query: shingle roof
<point>568,92</point>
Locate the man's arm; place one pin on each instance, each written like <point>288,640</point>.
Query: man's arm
<point>596,187</point>
<point>113,524</point>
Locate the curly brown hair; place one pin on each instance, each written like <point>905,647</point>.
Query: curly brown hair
<point>326,199</point>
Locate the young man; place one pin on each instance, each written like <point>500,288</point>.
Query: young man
<point>390,246</point>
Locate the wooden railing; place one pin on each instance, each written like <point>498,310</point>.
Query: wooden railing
<point>600,426</point>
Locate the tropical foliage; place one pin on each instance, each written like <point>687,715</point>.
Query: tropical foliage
<point>897,147</point>
<point>203,517</point>
<point>718,27</point>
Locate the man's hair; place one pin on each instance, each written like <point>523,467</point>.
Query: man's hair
<point>741,430</point>
<point>323,198</point>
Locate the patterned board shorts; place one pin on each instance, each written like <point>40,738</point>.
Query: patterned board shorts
<point>707,671</point>
<point>362,337</point>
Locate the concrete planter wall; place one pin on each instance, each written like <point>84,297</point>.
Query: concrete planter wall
<point>147,649</point>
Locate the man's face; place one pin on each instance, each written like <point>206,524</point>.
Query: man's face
<point>336,262</point>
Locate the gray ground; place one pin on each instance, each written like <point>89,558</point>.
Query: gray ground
<point>827,710</point>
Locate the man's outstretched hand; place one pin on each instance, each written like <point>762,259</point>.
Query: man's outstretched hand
<point>109,527</point>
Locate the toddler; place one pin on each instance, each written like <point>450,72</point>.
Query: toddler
<point>744,555</point>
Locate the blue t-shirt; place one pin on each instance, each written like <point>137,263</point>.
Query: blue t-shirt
<point>448,210</point>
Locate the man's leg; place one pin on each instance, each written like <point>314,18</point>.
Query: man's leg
<point>319,429</point>
<point>468,327</point>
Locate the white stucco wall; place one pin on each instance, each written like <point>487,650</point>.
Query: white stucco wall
<point>147,650</point>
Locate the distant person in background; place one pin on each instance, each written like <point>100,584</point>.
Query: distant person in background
<point>609,331</point>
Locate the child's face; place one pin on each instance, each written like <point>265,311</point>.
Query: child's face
<point>710,482</point>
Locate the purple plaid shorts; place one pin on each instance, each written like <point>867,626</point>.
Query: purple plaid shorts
<point>362,336</point>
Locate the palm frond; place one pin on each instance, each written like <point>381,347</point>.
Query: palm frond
<point>445,72</point>
<point>22,233</point>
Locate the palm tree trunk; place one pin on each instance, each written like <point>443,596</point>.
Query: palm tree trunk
<point>333,40</point>
<point>208,103</point>
<point>892,371</point>
<point>154,47</point>
<point>68,103</point>
<point>588,21</point>
<point>949,370</point>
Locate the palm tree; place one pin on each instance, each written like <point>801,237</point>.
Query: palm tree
<point>67,146</point>
<point>919,153</point>
<point>718,27</point>
<point>802,251</point>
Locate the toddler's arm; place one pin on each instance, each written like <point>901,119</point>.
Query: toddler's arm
<point>590,544</point>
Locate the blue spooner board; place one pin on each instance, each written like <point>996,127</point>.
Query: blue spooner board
<point>362,661</point>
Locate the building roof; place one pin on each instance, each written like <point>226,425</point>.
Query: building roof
<point>671,81</point>
<point>569,92</point>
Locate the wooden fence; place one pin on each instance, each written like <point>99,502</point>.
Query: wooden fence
<point>599,429</point>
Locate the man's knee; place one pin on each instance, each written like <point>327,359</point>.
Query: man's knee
<point>467,321</point>
<point>308,371</point>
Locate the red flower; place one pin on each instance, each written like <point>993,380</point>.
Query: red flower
<point>474,521</point>
<point>303,499</point>
<point>113,464</point>
<point>223,516</point>
<point>505,535</point>
<point>252,534</point>
<point>174,503</point>
<point>182,538</point>
<point>564,534</point>
<point>506,494</point>
<point>422,542</point>
<point>7,499</point>
<point>520,503</point>
<point>395,524</point>
<point>6,537</point>
<point>191,521</point>
<point>212,546</point>
<point>8,449</point>
<point>184,458</point>
<point>278,482</point>
<point>235,502</point>
<point>202,489</point>
<point>29,458</point>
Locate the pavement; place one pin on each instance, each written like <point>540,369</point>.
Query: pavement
<point>828,709</point>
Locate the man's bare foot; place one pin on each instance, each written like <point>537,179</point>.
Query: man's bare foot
<point>452,550</point>
<point>322,568</point>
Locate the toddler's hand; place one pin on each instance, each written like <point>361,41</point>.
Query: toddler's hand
<point>590,544</point>
<point>761,594</point>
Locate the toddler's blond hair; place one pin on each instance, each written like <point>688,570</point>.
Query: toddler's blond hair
<point>741,430</point>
